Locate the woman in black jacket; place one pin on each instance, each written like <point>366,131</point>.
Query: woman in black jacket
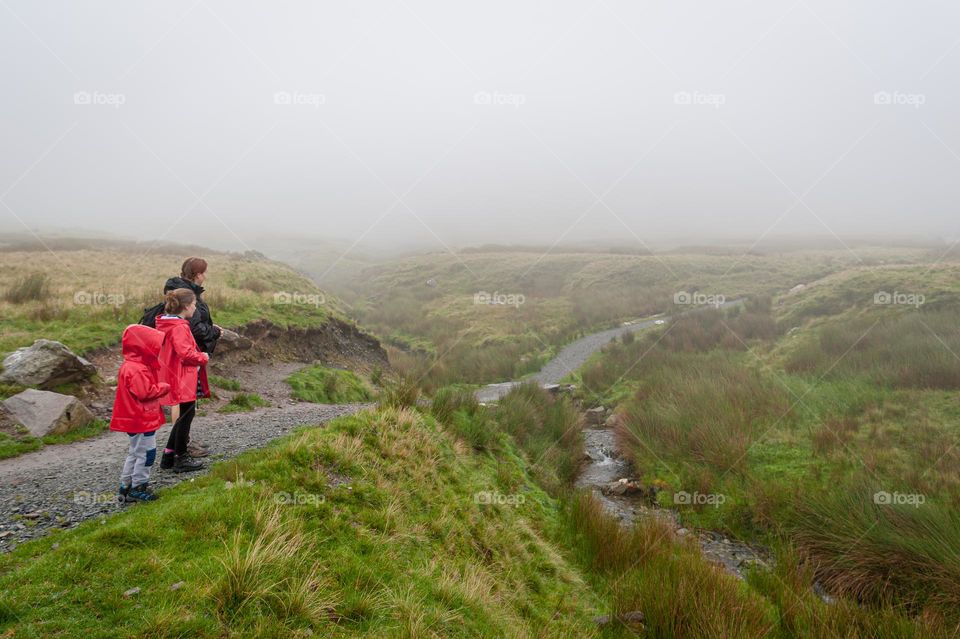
<point>192,275</point>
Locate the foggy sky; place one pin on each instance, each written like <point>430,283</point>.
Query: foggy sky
<point>451,124</point>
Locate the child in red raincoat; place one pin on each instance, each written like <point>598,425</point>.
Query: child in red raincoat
<point>136,409</point>
<point>183,367</point>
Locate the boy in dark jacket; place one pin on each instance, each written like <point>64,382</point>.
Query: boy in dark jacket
<point>136,409</point>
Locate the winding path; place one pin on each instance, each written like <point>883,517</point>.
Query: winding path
<point>59,486</point>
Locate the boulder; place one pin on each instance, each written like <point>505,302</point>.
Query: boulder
<point>230,341</point>
<point>45,364</point>
<point>633,619</point>
<point>46,413</point>
<point>596,416</point>
<point>625,487</point>
<point>613,421</point>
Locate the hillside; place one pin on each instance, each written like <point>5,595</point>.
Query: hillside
<point>83,294</point>
<point>436,308</point>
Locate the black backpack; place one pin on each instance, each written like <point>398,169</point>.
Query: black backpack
<point>150,315</point>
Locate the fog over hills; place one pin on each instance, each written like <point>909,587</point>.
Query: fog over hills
<point>427,126</point>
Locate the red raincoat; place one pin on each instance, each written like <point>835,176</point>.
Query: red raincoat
<point>179,359</point>
<point>136,408</point>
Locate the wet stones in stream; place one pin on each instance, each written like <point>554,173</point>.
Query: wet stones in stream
<point>610,477</point>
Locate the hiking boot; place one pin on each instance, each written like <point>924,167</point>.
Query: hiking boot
<point>186,464</point>
<point>141,493</point>
<point>167,460</point>
<point>198,443</point>
<point>195,449</point>
<point>123,494</point>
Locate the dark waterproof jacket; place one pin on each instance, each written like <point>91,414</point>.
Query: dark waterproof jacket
<point>201,324</point>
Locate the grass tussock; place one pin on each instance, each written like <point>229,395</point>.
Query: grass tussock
<point>547,429</point>
<point>711,412</point>
<point>322,385</point>
<point>243,403</point>
<point>649,570</point>
<point>224,383</point>
<point>459,410</point>
<point>34,287</point>
<point>882,553</point>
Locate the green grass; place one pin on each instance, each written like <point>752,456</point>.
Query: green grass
<point>13,444</point>
<point>798,451</point>
<point>322,385</point>
<point>9,390</point>
<point>224,383</point>
<point>387,524</point>
<point>406,550</point>
<point>243,403</point>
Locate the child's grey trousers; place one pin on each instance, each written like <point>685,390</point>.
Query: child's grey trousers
<point>140,457</point>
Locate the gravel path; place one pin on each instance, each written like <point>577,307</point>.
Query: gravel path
<point>575,354</point>
<point>61,486</point>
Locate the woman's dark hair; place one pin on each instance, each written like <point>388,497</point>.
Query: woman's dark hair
<point>193,266</point>
<point>175,301</point>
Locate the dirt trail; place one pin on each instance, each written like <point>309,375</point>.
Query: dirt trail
<point>61,486</point>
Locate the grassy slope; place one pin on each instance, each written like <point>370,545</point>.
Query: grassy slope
<point>239,289</point>
<point>388,524</point>
<point>400,549</point>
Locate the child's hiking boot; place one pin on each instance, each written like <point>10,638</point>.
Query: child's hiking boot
<point>123,494</point>
<point>167,460</point>
<point>143,492</point>
<point>186,464</point>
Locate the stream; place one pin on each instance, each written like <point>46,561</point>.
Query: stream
<point>606,465</point>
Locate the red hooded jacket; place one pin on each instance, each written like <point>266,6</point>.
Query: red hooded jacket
<point>136,408</point>
<point>179,359</point>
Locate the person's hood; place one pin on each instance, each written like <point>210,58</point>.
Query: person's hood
<point>142,343</point>
<point>179,282</point>
<point>166,324</point>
